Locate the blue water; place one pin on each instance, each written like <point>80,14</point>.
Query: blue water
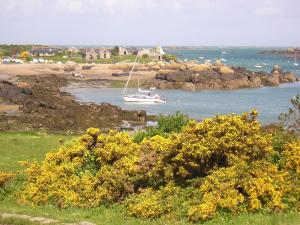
<point>270,101</point>
<point>241,56</point>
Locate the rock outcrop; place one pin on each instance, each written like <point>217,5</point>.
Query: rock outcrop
<point>44,106</point>
<point>217,76</point>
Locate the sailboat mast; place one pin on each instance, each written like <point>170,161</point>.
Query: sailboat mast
<point>130,73</point>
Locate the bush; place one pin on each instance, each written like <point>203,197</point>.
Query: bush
<point>86,172</point>
<point>200,147</point>
<point>291,164</point>
<point>291,119</point>
<point>242,187</point>
<point>222,164</point>
<point>165,125</point>
<point>169,57</point>
<point>5,178</point>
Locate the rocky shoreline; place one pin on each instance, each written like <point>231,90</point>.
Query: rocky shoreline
<point>36,102</point>
<point>291,52</point>
<point>197,77</point>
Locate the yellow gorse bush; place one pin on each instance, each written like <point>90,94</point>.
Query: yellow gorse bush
<point>5,178</point>
<point>224,163</point>
<point>86,172</point>
<point>218,142</point>
<point>291,163</point>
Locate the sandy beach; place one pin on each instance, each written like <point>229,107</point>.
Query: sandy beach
<point>98,71</point>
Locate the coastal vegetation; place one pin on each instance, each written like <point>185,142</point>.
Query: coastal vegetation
<point>291,119</point>
<point>11,50</point>
<point>223,167</point>
<point>165,126</point>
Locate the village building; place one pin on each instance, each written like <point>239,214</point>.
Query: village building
<point>42,52</point>
<point>93,54</point>
<point>151,53</point>
<point>45,51</point>
<point>123,51</point>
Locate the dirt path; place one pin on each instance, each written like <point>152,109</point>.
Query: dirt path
<point>38,220</point>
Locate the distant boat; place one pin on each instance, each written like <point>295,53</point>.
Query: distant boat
<point>295,60</point>
<point>222,58</point>
<point>208,60</point>
<point>142,96</point>
<point>258,66</point>
<point>201,57</point>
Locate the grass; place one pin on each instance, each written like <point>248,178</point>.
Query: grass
<point>115,216</point>
<point>16,146</point>
<point>80,59</point>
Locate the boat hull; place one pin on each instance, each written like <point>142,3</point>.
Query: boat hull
<point>143,100</point>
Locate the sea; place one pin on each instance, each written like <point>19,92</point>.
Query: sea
<point>269,101</point>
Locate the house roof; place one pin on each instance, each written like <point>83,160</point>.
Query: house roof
<point>44,51</point>
<point>99,50</point>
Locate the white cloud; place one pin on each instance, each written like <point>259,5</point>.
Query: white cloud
<point>267,11</point>
<point>17,7</point>
<point>73,6</point>
<point>104,6</point>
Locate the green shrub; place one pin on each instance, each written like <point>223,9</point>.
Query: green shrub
<point>291,119</point>
<point>169,57</point>
<point>165,125</point>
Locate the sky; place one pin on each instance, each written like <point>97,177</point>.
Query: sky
<point>148,22</point>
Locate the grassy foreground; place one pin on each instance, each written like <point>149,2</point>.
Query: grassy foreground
<point>16,146</point>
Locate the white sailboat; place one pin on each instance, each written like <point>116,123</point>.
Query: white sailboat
<point>141,96</point>
<point>222,58</point>
<point>295,60</point>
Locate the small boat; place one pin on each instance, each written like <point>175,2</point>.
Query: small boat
<point>141,96</point>
<point>295,60</point>
<point>222,58</point>
<point>258,66</point>
<point>208,60</point>
<point>201,57</point>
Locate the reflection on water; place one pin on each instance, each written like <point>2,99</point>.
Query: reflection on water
<point>270,101</point>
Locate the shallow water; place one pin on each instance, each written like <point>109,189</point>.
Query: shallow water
<point>241,56</point>
<point>270,101</point>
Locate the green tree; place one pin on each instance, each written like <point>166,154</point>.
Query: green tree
<point>291,119</point>
<point>115,51</point>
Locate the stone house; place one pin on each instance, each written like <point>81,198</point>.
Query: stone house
<point>45,51</point>
<point>123,51</point>
<point>42,52</point>
<point>96,53</point>
<point>152,54</point>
